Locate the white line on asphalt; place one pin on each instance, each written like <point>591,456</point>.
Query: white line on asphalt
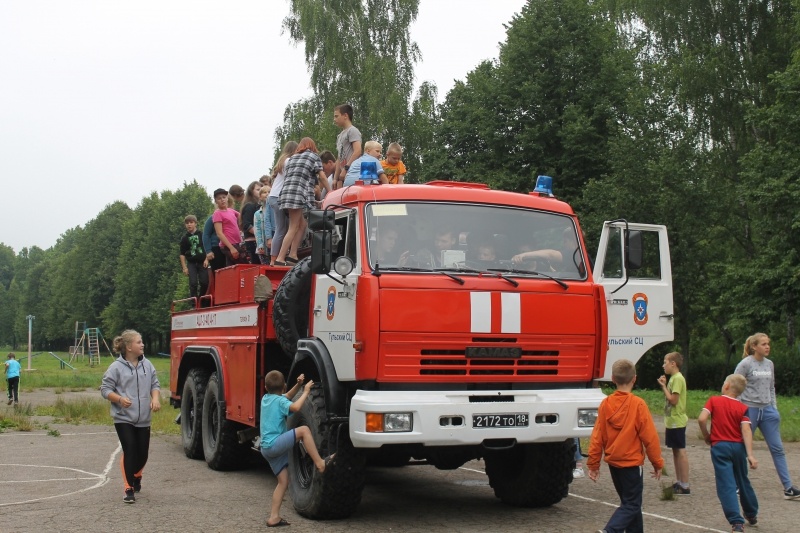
<point>668,519</point>
<point>472,470</point>
<point>102,478</point>
<point>94,476</point>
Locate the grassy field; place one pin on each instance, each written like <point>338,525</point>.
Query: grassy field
<point>49,374</point>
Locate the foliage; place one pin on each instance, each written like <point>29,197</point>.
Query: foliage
<point>358,52</point>
<point>550,105</point>
<point>683,113</point>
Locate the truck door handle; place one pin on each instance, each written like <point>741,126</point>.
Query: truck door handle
<point>317,310</point>
<point>669,316</point>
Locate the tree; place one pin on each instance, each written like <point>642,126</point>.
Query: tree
<point>549,105</point>
<point>712,62</point>
<point>147,273</point>
<point>772,174</point>
<point>358,52</point>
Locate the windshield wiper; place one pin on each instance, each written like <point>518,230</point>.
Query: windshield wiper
<point>477,271</point>
<point>417,269</point>
<point>535,273</point>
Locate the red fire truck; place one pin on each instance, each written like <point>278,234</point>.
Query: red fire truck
<point>442,323</point>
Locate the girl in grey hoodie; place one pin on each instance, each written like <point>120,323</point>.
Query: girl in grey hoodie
<point>132,387</point>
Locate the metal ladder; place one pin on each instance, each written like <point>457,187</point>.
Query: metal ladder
<point>92,335</point>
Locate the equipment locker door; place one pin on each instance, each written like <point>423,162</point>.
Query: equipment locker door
<point>639,302</point>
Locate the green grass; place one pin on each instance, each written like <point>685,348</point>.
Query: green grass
<point>47,373</point>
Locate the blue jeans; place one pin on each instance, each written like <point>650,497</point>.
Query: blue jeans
<point>730,470</point>
<point>629,482</point>
<point>769,421</point>
<point>578,455</point>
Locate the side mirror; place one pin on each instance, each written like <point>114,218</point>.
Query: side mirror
<point>321,244</point>
<point>634,250</point>
<point>319,219</point>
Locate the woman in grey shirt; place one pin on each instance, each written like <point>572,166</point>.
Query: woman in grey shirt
<point>762,408</point>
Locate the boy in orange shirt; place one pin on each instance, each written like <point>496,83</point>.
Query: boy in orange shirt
<point>623,426</point>
<point>394,169</point>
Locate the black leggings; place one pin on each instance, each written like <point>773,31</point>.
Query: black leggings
<point>135,446</point>
<point>13,388</point>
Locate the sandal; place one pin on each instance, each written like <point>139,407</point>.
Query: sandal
<point>291,260</point>
<point>282,523</point>
<point>281,263</point>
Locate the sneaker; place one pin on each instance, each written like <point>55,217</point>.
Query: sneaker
<point>578,473</point>
<point>129,497</point>
<point>9,401</point>
<point>137,484</point>
<point>737,528</point>
<point>677,489</point>
<point>752,520</point>
<point>792,493</point>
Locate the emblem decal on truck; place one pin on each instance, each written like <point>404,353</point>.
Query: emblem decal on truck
<point>640,308</point>
<point>331,308</point>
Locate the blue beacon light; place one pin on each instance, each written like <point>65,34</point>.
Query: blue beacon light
<point>544,186</point>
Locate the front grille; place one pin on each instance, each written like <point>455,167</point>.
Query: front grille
<point>532,363</point>
<point>450,358</point>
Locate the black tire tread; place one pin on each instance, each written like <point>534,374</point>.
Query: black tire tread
<point>290,306</point>
<point>343,481</point>
<point>229,454</point>
<point>193,448</point>
<point>532,475</point>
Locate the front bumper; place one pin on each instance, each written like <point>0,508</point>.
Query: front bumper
<point>445,418</point>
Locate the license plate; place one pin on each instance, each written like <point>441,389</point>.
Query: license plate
<point>505,420</point>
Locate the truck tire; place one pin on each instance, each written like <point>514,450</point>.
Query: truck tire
<point>221,446</point>
<point>194,390</point>
<point>531,475</point>
<point>290,306</point>
<point>337,492</point>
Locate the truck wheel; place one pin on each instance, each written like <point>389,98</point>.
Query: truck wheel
<point>194,389</point>
<point>221,446</point>
<point>531,475</point>
<point>337,492</point>
<point>290,306</point>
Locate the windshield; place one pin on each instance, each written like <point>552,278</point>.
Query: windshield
<point>430,236</point>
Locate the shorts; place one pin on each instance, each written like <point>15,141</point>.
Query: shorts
<point>277,455</point>
<point>675,437</point>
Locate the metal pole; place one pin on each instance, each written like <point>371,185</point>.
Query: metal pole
<point>30,330</point>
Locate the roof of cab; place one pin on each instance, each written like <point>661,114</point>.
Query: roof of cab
<point>444,191</point>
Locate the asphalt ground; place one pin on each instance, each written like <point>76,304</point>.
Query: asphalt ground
<point>72,482</point>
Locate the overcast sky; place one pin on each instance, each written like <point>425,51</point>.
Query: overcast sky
<point>112,99</point>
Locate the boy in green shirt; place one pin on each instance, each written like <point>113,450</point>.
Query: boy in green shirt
<point>675,419</point>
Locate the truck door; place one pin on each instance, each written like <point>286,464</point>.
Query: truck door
<point>638,300</point>
<point>333,317</point>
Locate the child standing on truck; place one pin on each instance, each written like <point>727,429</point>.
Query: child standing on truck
<point>193,258</point>
<point>623,426</point>
<point>276,441</point>
<point>675,419</point>
<point>731,441</point>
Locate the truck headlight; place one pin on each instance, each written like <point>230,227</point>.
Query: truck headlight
<point>587,418</point>
<point>389,422</point>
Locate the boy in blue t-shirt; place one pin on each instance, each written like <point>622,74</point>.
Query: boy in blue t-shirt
<point>12,376</point>
<point>276,441</point>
